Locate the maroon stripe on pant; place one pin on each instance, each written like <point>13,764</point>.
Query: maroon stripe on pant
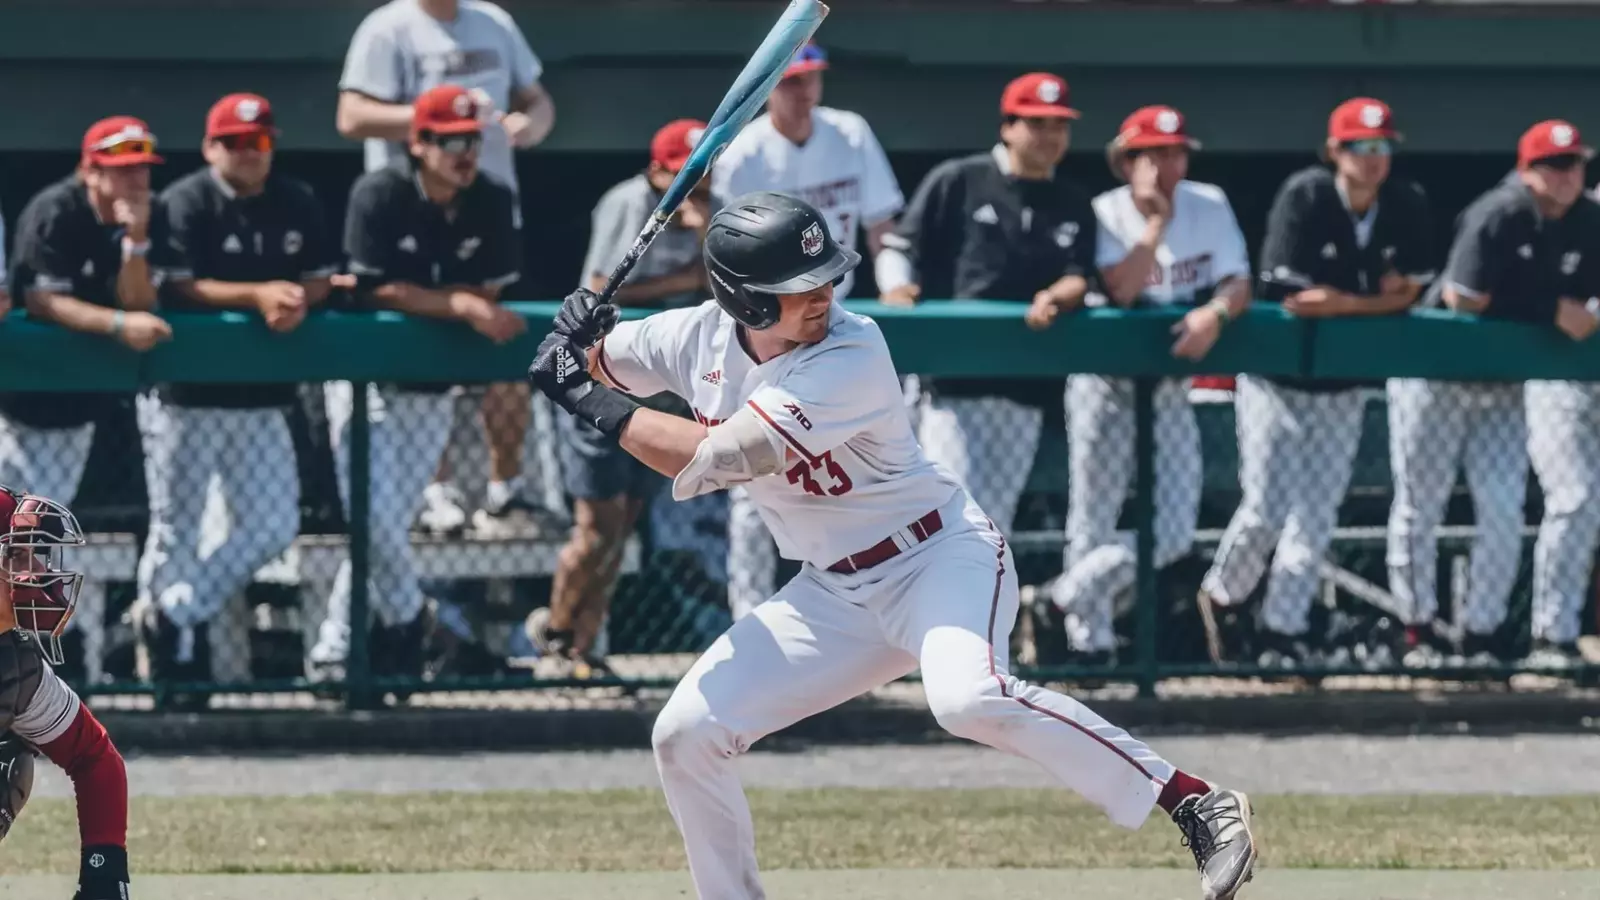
<point>1005,691</point>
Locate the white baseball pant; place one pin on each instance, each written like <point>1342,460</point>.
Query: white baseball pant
<point>409,432</point>
<point>44,461</point>
<point>987,444</point>
<point>1564,444</point>
<point>1296,453</point>
<point>1100,564</point>
<point>1436,428</point>
<point>188,569</point>
<point>947,606</point>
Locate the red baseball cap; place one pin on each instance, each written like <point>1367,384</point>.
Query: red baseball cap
<point>240,114</point>
<point>809,58</point>
<point>1037,95</point>
<point>1552,137</point>
<point>675,141</point>
<point>120,141</point>
<point>1153,126</point>
<point>446,109</point>
<point>1362,119</point>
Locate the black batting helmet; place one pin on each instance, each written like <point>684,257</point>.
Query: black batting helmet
<point>764,244</point>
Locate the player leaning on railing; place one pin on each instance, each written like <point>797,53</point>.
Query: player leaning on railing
<point>39,713</point>
<point>901,570</point>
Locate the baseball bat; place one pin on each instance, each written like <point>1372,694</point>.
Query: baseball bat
<point>761,73</point>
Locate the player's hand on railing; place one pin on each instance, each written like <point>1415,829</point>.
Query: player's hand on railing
<point>487,317</point>
<point>904,295</point>
<point>142,330</point>
<point>1042,314</point>
<point>1575,319</point>
<point>1317,302</point>
<point>282,305</point>
<point>1197,333</point>
<point>584,318</point>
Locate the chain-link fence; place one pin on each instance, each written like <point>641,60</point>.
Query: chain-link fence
<point>1309,528</point>
<point>1313,528</point>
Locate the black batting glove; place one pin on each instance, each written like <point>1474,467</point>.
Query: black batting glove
<point>560,371</point>
<point>103,874</point>
<point>584,318</point>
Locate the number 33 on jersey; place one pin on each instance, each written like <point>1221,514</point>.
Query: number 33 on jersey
<point>853,470</point>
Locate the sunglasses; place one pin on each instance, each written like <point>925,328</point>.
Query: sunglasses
<point>124,147</point>
<point>1369,147</point>
<point>1563,163</point>
<point>260,141</point>
<point>454,143</point>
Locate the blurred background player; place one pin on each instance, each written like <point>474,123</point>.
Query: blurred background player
<point>1342,241</point>
<point>5,274</point>
<point>426,236</point>
<point>1437,427</point>
<point>1530,249</point>
<point>1163,241</point>
<point>80,262</point>
<point>400,50</point>
<point>608,486</point>
<point>39,713</point>
<point>240,236</point>
<point>998,225</point>
<point>831,159</point>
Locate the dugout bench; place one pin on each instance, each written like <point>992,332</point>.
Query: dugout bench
<point>311,563</point>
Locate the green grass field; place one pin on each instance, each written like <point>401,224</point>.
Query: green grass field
<point>1010,843</point>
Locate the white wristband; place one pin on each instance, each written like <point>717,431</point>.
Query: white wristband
<point>892,270</point>
<point>130,247</point>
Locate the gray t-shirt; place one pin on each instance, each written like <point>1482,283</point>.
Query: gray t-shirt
<point>399,51</point>
<point>617,219</point>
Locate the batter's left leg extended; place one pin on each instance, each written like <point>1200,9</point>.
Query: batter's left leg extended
<point>953,603</point>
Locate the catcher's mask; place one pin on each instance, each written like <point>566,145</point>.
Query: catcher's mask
<point>35,534</point>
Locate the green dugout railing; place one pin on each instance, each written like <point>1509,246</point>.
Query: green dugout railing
<point>935,338</point>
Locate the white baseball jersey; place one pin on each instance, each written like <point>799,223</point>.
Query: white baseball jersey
<point>1202,245</point>
<point>399,51</point>
<point>857,474</point>
<point>841,170</point>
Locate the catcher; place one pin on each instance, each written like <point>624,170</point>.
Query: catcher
<point>39,713</point>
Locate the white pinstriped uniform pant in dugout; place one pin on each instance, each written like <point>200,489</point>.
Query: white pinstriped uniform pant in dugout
<point>1101,564</point>
<point>1296,453</point>
<point>987,443</point>
<point>409,432</point>
<point>1437,428</point>
<point>1564,444</point>
<point>190,568</point>
<point>44,461</point>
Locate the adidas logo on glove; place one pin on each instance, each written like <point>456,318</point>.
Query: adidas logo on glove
<point>565,365</point>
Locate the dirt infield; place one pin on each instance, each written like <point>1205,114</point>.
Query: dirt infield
<point>872,884</point>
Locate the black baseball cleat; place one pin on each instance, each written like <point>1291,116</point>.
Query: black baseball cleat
<point>1216,829</point>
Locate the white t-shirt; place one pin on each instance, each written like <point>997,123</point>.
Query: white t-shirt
<point>857,474</point>
<point>1201,247</point>
<point>841,170</point>
<point>398,52</point>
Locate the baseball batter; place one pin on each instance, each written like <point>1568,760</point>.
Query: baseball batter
<point>831,159</point>
<point>900,569</point>
<point>39,713</point>
<point>1342,240</point>
<point>1163,240</point>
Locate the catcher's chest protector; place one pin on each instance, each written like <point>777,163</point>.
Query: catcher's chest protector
<point>21,670</point>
